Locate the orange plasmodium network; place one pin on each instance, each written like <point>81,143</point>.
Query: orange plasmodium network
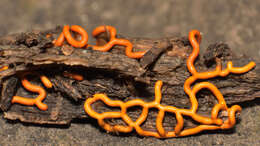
<point>34,88</point>
<point>206,123</point>
<point>83,42</point>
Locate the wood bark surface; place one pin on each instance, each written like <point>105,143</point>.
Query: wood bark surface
<point>116,75</point>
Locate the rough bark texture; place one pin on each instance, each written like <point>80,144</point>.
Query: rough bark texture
<point>114,74</point>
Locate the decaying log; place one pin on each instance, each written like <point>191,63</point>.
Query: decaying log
<point>114,74</point>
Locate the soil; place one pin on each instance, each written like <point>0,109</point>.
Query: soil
<point>234,22</point>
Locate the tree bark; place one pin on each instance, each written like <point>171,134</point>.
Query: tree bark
<point>116,75</point>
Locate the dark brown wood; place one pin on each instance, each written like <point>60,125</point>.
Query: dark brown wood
<point>116,75</point>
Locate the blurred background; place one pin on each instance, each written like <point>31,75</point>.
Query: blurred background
<point>235,22</point>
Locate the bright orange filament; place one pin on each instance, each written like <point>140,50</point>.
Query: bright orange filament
<point>207,123</point>
<point>115,41</point>
<point>101,29</point>
<point>73,76</point>
<point>4,68</point>
<point>34,88</point>
<point>66,34</point>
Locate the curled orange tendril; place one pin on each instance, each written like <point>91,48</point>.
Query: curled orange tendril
<point>66,34</point>
<point>83,42</point>
<point>206,123</point>
<point>34,88</point>
<point>73,76</point>
<point>4,68</point>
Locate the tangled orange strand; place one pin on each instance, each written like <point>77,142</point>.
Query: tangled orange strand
<point>37,89</point>
<point>97,31</point>
<point>73,76</point>
<point>207,123</point>
<point>34,88</point>
<point>4,68</point>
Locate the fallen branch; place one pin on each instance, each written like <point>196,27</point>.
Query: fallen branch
<point>114,74</point>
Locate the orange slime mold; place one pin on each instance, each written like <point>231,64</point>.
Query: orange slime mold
<point>206,123</point>
<point>4,68</point>
<point>101,29</point>
<point>115,41</point>
<point>66,34</point>
<point>73,76</point>
<point>34,88</point>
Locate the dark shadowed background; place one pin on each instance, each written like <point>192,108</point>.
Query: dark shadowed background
<point>235,22</point>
